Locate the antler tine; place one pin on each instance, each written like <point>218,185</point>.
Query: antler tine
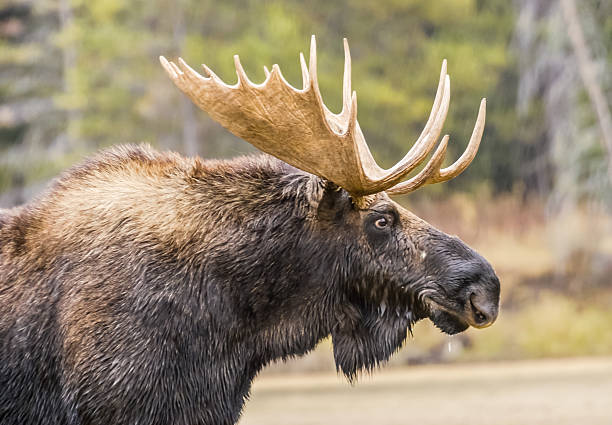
<point>428,173</point>
<point>176,69</point>
<point>304,67</point>
<point>457,167</point>
<point>346,83</point>
<point>194,77</point>
<point>210,72</point>
<point>437,99</point>
<point>242,77</point>
<point>314,83</point>
<point>428,137</point>
<point>353,125</point>
<point>434,124</point>
<point>175,73</point>
<point>167,67</point>
<point>469,154</point>
<point>312,65</point>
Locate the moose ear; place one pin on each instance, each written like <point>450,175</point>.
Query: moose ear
<point>334,202</point>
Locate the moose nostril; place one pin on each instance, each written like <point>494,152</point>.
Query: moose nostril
<point>480,317</point>
<point>483,310</point>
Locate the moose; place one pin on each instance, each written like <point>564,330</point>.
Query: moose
<point>149,288</point>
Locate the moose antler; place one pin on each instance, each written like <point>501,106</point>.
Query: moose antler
<point>295,126</point>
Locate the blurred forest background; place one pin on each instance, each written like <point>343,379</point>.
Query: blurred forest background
<point>77,76</point>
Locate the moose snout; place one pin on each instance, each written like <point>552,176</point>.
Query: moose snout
<point>483,308</point>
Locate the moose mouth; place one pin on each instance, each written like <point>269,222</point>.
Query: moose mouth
<point>451,315</point>
<point>444,318</point>
<point>448,323</point>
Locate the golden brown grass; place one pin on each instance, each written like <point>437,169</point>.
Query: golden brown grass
<point>549,392</point>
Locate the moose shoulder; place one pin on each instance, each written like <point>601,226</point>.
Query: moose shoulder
<point>149,288</point>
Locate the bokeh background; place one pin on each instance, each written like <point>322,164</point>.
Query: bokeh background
<point>80,75</point>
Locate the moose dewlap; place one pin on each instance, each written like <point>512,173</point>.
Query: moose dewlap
<point>149,288</point>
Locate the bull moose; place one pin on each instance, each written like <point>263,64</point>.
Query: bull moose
<point>148,288</point>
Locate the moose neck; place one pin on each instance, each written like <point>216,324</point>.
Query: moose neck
<point>268,270</point>
<point>280,278</point>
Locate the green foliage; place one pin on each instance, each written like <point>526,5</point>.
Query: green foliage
<point>106,86</point>
<point>90,73</point>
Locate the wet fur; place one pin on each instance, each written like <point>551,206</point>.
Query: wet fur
<point>148,288</point>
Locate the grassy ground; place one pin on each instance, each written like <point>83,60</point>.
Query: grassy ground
<point>542,392</point>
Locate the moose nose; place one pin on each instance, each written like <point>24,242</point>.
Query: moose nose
<point>483,310</point>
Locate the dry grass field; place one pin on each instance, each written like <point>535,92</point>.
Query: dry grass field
<point>542,392</point>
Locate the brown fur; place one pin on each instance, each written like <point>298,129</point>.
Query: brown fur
<point>147,287</point>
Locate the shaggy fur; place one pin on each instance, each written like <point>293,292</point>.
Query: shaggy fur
<point>146,288</point>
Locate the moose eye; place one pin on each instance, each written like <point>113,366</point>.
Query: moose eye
<point>381,223</point>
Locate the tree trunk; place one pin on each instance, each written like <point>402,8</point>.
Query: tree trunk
<point>588,74</point>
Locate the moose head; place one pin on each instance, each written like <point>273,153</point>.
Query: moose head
<point>397,268</point>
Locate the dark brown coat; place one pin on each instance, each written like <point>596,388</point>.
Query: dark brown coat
<point>147,288</point>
